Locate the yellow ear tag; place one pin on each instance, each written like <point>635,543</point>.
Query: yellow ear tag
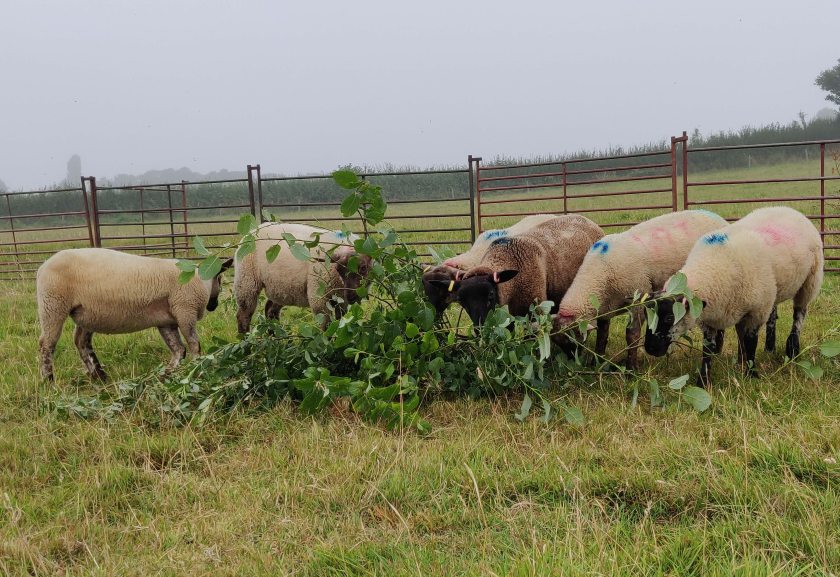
<point>451,285</point>
<point>427,268</point>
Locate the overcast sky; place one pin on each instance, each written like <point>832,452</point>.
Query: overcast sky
<point>302,86</point>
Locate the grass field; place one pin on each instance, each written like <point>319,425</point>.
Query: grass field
<point>750,487</point>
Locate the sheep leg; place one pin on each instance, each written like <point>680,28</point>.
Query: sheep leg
<point>792,347</point>
<point>633,335</point>
<point>747,343</point>
<point>712,344</point>
<point>272,310</point>
<point>84,344</point>
<point>173,341</point>
<point>187,328</point>
<point>770,332</point>
<point>50,333</point>
<point>246,305</point>
<point>602,334</point>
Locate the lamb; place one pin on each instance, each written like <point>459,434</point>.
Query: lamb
<point>639,259</point>
<point>289,281</point>
<point>106,291</point>
<point>741,272</point>
<point>437,281</point>
<point>533,266</point>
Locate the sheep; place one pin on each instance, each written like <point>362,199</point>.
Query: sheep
<point>637,260</point>
<point>741,272</point>
<point>106,291</point>
<point>437,281</point>
<point>289,281</point>
<point>533,266</point>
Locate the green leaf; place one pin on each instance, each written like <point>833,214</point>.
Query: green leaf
<point>635,400</point>
<point>411,330</point>
<point>299,251</point>
<point>573,416</point>
<point>248,245</point>
<point>209,267</point>
<point>186,276</point>
<point>697,398</point>
<point>655,394</point>
<point>677,284</point>
<point>185,265</point>
<point>595,302</point>
<point>695,307</point>
<point>198,245</point>
<point>346,179</point>
<point>679,311</point>
<point>246,224</point>
<point>350,204</point>
<point>811,370</point>
<point>678,383</point>
<point>525,410</point>
<point>652,318</point>
<point>830,349</point>
<point>545,346</point>
<point>272,252</point>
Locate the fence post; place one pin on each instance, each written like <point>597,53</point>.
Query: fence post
<point>12,229</point>
<point>92,213</point>
<point>472,197</point>
<point>171,219</point>
<point>674,142</point>
<point>251,198</point>
<point>477,161</point>
<point>184,213</point>
<point>822,191</point>
<point>143,221</point>
<point>685,170</point>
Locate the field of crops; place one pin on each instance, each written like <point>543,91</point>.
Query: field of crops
<point>749,487</point>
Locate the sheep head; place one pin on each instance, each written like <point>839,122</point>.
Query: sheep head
<point>479,291</point>
<point>668,328</point>
<point>216,286</point>
<point>441,285</point>
<point>351,279</point>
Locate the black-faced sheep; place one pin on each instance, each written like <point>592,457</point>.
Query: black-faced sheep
<point>639,259</point>
<point>289,281</point>
<point>437,281</point>
<point>741,272</point>
<point>106,291</point>
<point>533,266</point>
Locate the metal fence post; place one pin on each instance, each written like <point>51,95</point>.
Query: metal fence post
<point>93,213</point>
<point>12,229</point>
<point>472,197</point>
<point>87,213</point>
<point>184,213</point>
<point>251,198</point>
<point>674,206</point>
<point>259,193</point>
<point>822,191</point>
<point>565,194</point>
<point>171,218</point>
<point>477,161</point>
<point>685,170</point>
<point>143,221</point>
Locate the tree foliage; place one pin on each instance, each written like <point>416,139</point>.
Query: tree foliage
<point>829,80</point>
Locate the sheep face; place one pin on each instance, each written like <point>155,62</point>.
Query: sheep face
<point>479,294</point>
<point>216,286</point>
<point>351,279</point>
<point>441,285</point>
<point>659,341</point>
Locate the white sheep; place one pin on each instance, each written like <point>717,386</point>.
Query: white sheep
<point>741,272</point>
<point>106,291</point>
<point>437,281</point>
<point>288,281</point>
<point>533,266</point>
<point>638,260</point>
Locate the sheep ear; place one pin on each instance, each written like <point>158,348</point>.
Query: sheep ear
<point>504,276</point>
<point>226,265</point>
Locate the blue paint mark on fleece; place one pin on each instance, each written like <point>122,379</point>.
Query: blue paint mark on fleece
<point>491,234</point>
<point>709,213</point>
<point>601,247</point>
<point>502,241</point>
<point>715,238</point>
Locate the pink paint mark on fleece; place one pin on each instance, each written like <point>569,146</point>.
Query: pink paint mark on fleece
<point>775,235</point>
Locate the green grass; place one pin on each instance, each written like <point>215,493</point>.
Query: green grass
<point>750,487</point>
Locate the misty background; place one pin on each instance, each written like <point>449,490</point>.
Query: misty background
<point>172,90</point>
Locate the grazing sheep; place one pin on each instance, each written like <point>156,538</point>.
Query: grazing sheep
<point>741,272</point>
<point>437,281</point>
<point>533,266</point>
<point>106,291</point>
<point>639,259</point>
<point>289,281</point>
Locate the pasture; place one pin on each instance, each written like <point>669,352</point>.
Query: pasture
<point>749,487</point>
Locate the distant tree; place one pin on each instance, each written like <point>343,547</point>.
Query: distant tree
<point>3,187</point>
<point>829,80</point>
<point>74,169</point>
<point>802,116</point>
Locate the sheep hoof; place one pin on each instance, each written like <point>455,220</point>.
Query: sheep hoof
<point>99,375</point>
